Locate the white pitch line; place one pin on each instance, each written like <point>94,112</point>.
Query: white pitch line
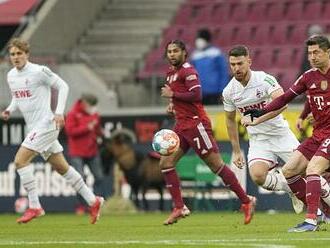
<point>258,243</point>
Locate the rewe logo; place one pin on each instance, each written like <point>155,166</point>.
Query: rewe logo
<point>22,93</point>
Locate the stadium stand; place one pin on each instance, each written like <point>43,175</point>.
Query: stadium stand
<point>273,29</point>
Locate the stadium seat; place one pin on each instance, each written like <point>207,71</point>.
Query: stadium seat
<point>256,11</point>
<point>274,10</point>
<point>326,10</point>
<point>293,10</point>
<point>262,58</point>
<point>312,10</point>
<point>220,12</point>
<point>238,12</point>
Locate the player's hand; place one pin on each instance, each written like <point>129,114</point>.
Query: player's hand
<point>170,109</point>
<point>91,124</point>
<point>238,159</point>
<point>254,113</point>
<point>166,91</point>
<point>59,121</point>
<point>310,119</point>
<point>299,124</point>
<point>5,115</point>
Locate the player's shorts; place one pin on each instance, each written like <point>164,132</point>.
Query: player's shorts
<point>268,150</point>
<point>324,149</point>
<point>309,147</point>
<point>198,137</point>
<point>43,141</point>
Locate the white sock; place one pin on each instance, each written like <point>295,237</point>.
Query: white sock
<point>325,191</point>
<point>275,181</point>
<point>30,185</point>
<point>76,181</point>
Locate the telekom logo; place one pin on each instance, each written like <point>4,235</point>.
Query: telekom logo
<point>22,93</point>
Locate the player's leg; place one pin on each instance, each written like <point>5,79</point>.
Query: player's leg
<point>293,170</point>
<point>202,141</point>
<point>60,164</point>
<point>26,172</point>
<point>215,163</point>
<point>167,165</point>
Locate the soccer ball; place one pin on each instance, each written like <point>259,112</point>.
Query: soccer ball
<point>21,204</point>
<point>165,142</point>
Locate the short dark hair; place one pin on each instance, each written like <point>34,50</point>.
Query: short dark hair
<point>239,50</point>
<point>179,43</point>
<point>89,98</point>
<point>320,40</point>
<point>205,34</point>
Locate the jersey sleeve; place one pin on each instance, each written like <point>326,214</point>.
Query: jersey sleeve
<point>53,80</point>
<point>299,86</point>
<point>271,84</point>
<point>191,78</point>
<point>228,104</point>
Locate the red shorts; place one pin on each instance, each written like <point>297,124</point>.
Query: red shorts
<point>198,137</point>
<point>311,147</point>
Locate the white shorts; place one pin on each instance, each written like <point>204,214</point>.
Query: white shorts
<point>270,149</point>
<point>43,141</point>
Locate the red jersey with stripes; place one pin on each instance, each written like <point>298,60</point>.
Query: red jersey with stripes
<point>317,88</point>
<point>184,79</point>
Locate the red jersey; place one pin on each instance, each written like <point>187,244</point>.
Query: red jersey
<point>317,88</point>
<point>184,79</point>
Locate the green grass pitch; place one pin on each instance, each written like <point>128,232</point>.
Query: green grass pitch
<point>217,229</point>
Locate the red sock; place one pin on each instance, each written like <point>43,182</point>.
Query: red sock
<point>313,192</point>
<point>173,185</point>
<point>298,186</point>
<point>230,180</point>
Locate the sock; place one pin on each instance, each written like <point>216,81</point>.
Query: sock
<point>173,185</point>
<point>76,181</point>
<point>275,181</point>
<point>325,191</point>
<point>30,185</point>
<point>313,192</point>
<point>230,180</point>
<point>298,186</point>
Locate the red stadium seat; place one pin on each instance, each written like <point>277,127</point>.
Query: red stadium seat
<point>293,10</point>
<point>256,11</point>
<point>288,57</point>
<point>313,10</point>
<point>262,58</point>
<point>238,12</point>
<point>220,12</point>
<point>274,10</point>
<point>326,10</point>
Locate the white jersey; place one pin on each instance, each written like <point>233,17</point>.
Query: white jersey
<point>256,94</point>
<point>31,94</point>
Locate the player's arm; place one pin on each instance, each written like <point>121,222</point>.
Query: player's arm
<point>194,94</point>
<point>53,80</point>
<point>298,88</point>
<point>306,111</point>
<point>232,129</point>
<point>11,108</point>
<point>267,116</point>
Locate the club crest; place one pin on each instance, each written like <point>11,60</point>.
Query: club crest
<point>324,85</point>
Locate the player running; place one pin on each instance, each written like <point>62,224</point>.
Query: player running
<point>314,151</point>
<point>193,127</point>
<point>30,86</point>
<point>270,137</point>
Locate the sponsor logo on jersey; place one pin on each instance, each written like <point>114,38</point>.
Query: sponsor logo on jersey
<point>259,105</point>
<point>191,77</point>
<point>22,93</point>
<point>324,84</point>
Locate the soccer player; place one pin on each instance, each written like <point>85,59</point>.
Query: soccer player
<point>193,127</point>
<point>30,86</point>
<point>269,136</point>
<point>314,151</point>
